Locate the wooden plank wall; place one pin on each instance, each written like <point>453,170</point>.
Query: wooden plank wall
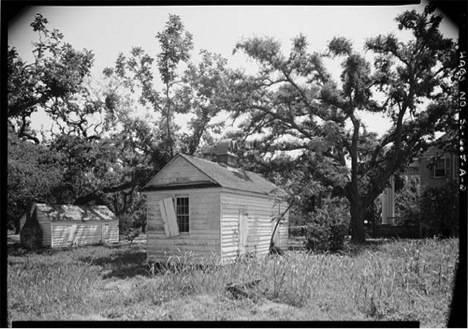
<point>283,229</point>
<point>67,234</point>
<point>260,210</point>
<point>44,222</point>
<point>110,231</point>
<point>202,241</point>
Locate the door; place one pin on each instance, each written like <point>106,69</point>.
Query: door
<point>243,231</point>
<point>105,232</point>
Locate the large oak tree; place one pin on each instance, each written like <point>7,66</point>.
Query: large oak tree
<point>294,104</point>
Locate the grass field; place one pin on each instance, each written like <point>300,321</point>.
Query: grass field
<point>393,280</point>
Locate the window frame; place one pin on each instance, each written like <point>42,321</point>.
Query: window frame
<point>435,168</point>
<point>186,214</point>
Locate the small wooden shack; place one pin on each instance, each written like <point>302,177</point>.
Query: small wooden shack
<point>208,209</point>
<point>60,226</point>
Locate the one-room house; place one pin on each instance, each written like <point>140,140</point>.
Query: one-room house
<point>211,210</point>
<point>59,226</point>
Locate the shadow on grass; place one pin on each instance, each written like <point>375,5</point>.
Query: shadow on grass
<point>350,248</point>
<point>15,249</point>
<point>18,250</point>
<point>122,264</point>
<point>372,245</point>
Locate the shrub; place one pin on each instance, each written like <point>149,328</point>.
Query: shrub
<point>327,226</point>
<point>125,223</point>
<point>31,235</point>
<point>407,202</point>
<point>139,219</point>
<point>440,210</point>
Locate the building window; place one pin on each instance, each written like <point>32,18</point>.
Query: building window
<point>439,168</point>
<point>182,213</point>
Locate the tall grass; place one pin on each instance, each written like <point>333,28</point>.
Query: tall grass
<point>398,280</point>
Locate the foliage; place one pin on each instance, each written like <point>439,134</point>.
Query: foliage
<point>149,143</point>
<point>373,213</point>
<point>327,226</point>
<point>388,281</point>
<point>202,95</point>
<point>54,82</point>
<point>440,210</point>
<point>125,224</point>
<point>195,91</point>
<point>33,172</point>
<point>31,233</point>
<point>293,104</point>
<point>102,151</point>
<point>407,202</point>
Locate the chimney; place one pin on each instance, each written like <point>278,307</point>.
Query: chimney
<point>222,152</point>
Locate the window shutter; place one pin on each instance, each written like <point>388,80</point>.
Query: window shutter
<point>169,218</point>
<point>164,217</point>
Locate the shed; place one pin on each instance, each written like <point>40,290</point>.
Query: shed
<point>209,209</point>
<point>59,226</point>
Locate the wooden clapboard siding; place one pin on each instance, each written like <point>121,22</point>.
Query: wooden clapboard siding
<point>178,172</point>
<point>202,240</point>
<point>46,240</point>
<point>110,231</point>
<point>260,210</point>
<point>66,234</point>
<point>282,230</point>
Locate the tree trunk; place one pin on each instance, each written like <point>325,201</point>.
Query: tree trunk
<point>357,209</point>
<point>357,222</point>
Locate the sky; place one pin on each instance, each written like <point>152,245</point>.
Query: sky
<point>109,30</point>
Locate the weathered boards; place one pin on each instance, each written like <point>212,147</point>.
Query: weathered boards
<point>169,217</point>
<point>68,225</point>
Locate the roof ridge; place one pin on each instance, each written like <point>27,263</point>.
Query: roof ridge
<point>222,166</point>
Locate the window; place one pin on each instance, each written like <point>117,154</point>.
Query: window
<point>439,168</point>
<point>182,213</point>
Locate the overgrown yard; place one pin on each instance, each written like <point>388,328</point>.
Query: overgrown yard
<point>392,280</point>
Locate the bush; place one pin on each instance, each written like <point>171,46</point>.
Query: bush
<point>407,202</point>
<point>440,210</point>
<point>125,223</point>
<point>328,226</point>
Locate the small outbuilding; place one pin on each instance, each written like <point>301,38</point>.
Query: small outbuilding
<point>211,209</point>
<point>60,226</point>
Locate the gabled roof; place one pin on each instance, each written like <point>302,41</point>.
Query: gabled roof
<point>232,178</point>
<point>65,212</point>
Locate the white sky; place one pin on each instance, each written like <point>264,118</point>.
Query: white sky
<point>109,30</point>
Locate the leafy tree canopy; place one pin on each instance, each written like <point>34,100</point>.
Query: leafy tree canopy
<point>294,104</point>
